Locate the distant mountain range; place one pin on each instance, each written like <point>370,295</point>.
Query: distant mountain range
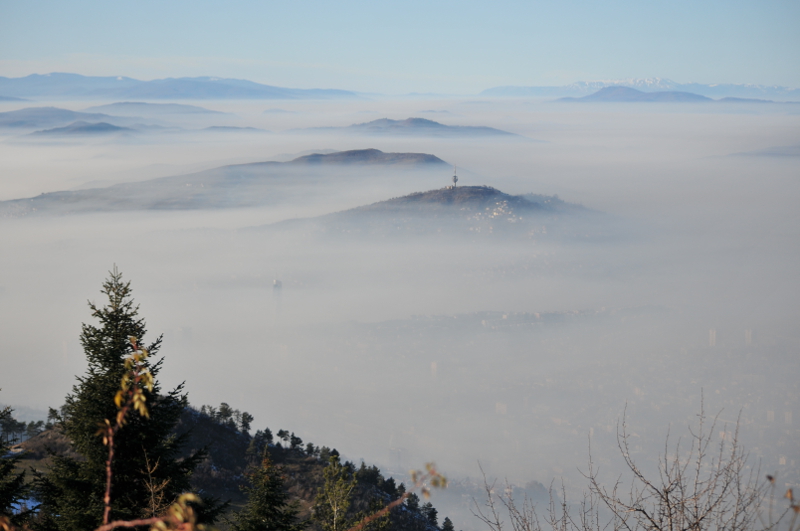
<point>415,127</point>
<point>64,121</point>
<point>36,117</point>
<point>241,185</point>
<point>627,94</point>
<point>584,88</point>
<point>75,86</point>
<point>85,129</point>
<point>139,108</point>
<point>234,129</point>
<point>50,117</point>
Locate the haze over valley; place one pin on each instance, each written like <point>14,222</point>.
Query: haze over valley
<point>487,332</point>
<point>491,277</point>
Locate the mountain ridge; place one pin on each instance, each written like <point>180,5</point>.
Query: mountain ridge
<point>230,186</point>
<point>627,94</point>
<point>35,117</point>
<point>76,86</point>
<point>84,128</point>
<point>139,107</point>
<point>465,211</point>
<point>583,88</point>
<point>415,126</point>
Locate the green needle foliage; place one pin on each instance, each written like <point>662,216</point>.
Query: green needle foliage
<point>268,507</point>
<point>147,472</point>
<point>12,483</point>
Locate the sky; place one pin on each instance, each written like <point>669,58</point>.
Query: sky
<point>393,47</point>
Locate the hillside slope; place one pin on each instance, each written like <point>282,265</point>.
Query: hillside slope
<point>232,453</point>
<point>627,94</point>
<point>465,211</point>
<point>236,186</point>
<point>416,127</point>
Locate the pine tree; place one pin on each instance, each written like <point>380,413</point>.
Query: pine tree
<point>447,525</point>
<point>412,502</point>
<point>268,507</point>
<point>430,513</point>
<point>147,463</point>
<point>12,483</point>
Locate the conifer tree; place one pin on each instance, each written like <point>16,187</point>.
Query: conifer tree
<point>412,502</point>
<point>268,507</point>
<point>146,454</point>
<point>430,513</point>
<point>447,525</point>
<point>12,483</point>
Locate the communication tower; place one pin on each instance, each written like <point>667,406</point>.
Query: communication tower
<point>455,177</point>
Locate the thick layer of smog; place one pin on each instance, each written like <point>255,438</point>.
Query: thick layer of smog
<point>591,262</point>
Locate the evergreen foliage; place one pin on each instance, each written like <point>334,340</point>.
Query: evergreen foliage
<point>12,484</point>
<point>430,513</point>
<point>148,474</point>
<point>412,502</point>
<point>447,525</point>
<point>258,444</point>
<point>11,429</point>
<point>268,507</point>
<point>225,414</point>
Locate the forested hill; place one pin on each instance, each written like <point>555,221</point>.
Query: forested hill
<point>461,199</point>
<point>369,156</point>
<point>472,211</point>
<point>232,454</point>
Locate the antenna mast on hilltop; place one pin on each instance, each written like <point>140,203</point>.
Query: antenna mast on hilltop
<point>455,177</point>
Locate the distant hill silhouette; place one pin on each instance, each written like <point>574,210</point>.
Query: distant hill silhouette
<point>369,156</point>
<point>36,117</point>
<point>84,128</point>
<point>474,211</point>
<point>416,127</point>
<point>63,85</point>
<point>11,98</point>
<point>234,129</point>
<point>278,111</point>
<point>464,199</point>
<point>139,108</point>
<point>747,100</point>
<point>627,94</point>
<point>717,90</point>
<point>775,151</point>
<point>235,186</point>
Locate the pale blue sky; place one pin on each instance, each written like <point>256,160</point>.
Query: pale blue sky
<point>409,45</point>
